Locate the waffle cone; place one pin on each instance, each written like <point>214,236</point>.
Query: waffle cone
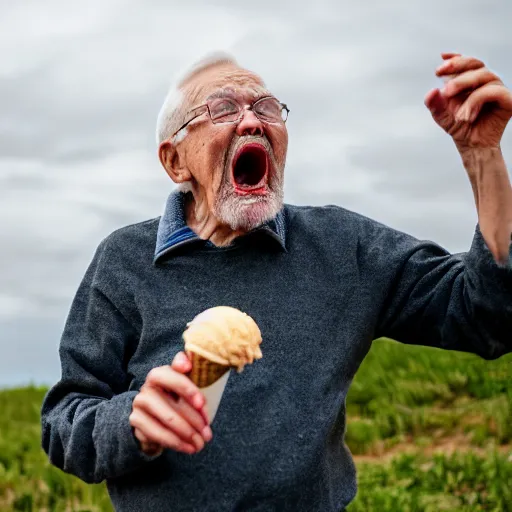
<point>205,372</point>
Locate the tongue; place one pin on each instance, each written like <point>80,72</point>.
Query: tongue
<point>246,176</point>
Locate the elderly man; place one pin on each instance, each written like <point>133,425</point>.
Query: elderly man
<point>321,283</point>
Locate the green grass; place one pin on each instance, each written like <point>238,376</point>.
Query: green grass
<point>404,393</point>
<point>458,483</point>
<point>27,481</point>
<point>403,399</point>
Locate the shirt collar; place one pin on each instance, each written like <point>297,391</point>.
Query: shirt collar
<point>173,231</point>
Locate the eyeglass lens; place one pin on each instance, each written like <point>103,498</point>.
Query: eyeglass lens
<point>225,110</point>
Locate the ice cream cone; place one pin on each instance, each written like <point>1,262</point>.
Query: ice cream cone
<point>216,341</point>
<point>205,372</point>
<point>211,378</point>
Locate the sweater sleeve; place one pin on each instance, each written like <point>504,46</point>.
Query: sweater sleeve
<point>85,425</point>
<point>458,302</point>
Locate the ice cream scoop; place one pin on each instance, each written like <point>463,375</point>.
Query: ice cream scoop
<point>217,340</point>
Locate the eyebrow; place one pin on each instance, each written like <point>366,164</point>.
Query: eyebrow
<point>228,92</point>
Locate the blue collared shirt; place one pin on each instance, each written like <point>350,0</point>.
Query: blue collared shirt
<point>173,231</point>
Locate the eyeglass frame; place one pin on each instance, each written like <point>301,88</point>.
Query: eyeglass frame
<point>242,113</point>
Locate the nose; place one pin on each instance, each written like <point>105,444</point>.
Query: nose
<point>250,124</point>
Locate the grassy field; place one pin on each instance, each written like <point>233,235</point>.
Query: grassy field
<point>430,431</point>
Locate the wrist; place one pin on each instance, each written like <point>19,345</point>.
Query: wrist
<point>475,159</point>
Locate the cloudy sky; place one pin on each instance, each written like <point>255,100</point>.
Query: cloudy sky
<point>81,84</point>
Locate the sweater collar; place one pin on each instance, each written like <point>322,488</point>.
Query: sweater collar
<point>173,231</point>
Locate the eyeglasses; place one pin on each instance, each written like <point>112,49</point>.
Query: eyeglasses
<point>227,110</point>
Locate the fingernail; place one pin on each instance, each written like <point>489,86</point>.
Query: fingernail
<point>207,434</point>
<point>198,441</point>
<point>473,116</point>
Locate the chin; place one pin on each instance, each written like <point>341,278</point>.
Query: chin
<point>247,212</point>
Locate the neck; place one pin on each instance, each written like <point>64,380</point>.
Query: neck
<point>203,222</point>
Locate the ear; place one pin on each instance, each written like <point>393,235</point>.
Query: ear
<point>172,162</point>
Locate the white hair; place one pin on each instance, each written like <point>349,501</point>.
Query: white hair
<point>174,108</point>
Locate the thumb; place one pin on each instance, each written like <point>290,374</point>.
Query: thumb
<point>438,106</point>
<point>181,363</point>
<point>436,102</point>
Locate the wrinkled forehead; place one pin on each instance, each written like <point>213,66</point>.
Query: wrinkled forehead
<point>225,79</point>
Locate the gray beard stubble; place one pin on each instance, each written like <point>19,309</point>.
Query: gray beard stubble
<point>251,211</point>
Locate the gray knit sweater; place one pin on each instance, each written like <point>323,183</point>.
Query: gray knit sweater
<point>321,290</point>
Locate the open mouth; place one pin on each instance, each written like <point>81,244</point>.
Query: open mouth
<point>250,168</point>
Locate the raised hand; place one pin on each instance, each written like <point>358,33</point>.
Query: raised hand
<point>474,106</point>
